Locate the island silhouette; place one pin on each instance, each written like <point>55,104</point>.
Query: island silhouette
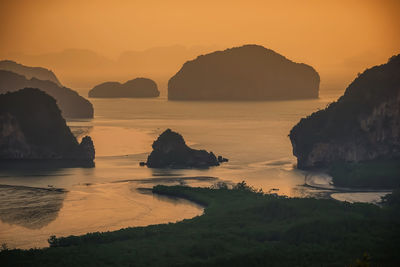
<point>249,72</point>
<point>32,128</point>
<point>138,87</point>
<point>14,77</point>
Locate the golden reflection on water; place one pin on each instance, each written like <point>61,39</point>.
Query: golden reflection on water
<point>91,208</point>
<point>252,135</point>
<point>113,141</point>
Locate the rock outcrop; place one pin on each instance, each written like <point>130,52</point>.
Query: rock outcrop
<point>139,87</point>
<point>249,72</point>
<point>29,72</point>
<point>171,151</point>
<point>31,127</point>
<point>70,102</point>
<point>362,125</point>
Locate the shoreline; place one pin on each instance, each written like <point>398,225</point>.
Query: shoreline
<point>350,192</point>
<point>49,188</point>
<point>265,227</point>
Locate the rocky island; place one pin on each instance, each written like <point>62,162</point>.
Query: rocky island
<point>70,102</point>
<point>29,72</point>
<point>32,128</point>
<point>249,72</point>
<point>360,132</point>
<point>139,87</point>
<point>171,151</point>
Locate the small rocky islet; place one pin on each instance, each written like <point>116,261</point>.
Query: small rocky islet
<point>170,151</point>
<point>136,88</point>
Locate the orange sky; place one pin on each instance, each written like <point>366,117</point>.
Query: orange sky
<point>329,35</point>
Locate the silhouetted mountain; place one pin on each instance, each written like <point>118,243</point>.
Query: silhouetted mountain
<point>362,125</point>
<point>69,101</point>
<point>29,72</point>
<point>139,87</point>
<point>171,151</point>
<point>31,127</point>
<point>82,68</point>
<point>249,72</point>
<point>67,59</point>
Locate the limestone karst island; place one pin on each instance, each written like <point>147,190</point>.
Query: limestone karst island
<point>200,133</point>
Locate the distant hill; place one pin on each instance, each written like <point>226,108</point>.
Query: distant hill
<point>29,72</point>
<point>139,87</point>
<point>65,59</point>
<point>249,72</point>
<point>83,68</point>
<point>31,127</point>
<point>362,125</point>
<point>70,102</point>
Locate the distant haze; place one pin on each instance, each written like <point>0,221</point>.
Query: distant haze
<point>88,42</point>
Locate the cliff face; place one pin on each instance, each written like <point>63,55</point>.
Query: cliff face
<point>69,101</point>
<point>139,87</point>
<point>364,124</point>
<point>29,72</point>
<point>31,127</point>
<point>12,140</point>
<point>171,151</point>
<point>250,72</point>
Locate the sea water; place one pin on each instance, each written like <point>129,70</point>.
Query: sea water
<point>114,195</point>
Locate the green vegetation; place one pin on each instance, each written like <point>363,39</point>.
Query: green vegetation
<point>392,199</point>
<point>240,227</point>
<point>379,173</point>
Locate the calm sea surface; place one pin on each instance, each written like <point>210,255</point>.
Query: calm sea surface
<point>253,135</point>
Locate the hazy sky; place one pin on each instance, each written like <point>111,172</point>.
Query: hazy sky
<point>327,34</point>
